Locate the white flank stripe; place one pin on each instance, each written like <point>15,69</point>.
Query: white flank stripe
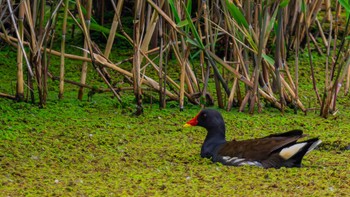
<point>238,160</point>
<point>226,158</point>
<point>232,158</point>
<point>251,163</point>
<point>288,152</point>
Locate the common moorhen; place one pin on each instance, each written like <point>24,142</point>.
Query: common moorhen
<point>273,151</point>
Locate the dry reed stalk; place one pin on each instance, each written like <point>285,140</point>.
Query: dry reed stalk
<point>320,31</point>
<point>91,49</point>
<point>205,72</point>
<point>233,91</point>
<point>101,60</point>
<point>309,17</point>
<point>332,82</point>
<point>158,70</point>
<point>137,39</point>
<point>3,95</point>
<point>245,101</point>
<point>150,30</point>
<point>306,28</point>
<point>328,9</point>
<point>63,46</point>
<point>19,41</point>
<point>257,59</point>
<point>20,81</point>
<point>278,56</point>
<point>84,66</point>
<point>114,27</point>
<point>248,41</point>
<point>182,82</point>
<point>288,89</point>
<point>319,50</point>
<point>147,80</point>
<point>209,38</point>
<point>42,16</point>
<point>31,25</point>
<point>347,85</point>
<point>182,60</point>
<point>36,55</point>
<point>35,10</point>
<point>336,32</point>
<point>186,74</point>
<point>165,16</point>
<point>241,64</point>
<point>161,75</point>
<point>239,76</point>
<point>46,59</point>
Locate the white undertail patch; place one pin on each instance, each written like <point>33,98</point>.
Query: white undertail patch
<point>289,152</point>
<point>313,146</point>
<point>235,161</point>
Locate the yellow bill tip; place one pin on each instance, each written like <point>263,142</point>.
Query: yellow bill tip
<point>187,125</point>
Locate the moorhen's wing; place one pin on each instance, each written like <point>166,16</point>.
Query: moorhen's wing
<point>259,149</point>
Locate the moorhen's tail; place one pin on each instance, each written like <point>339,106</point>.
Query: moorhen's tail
<point>294,154</point>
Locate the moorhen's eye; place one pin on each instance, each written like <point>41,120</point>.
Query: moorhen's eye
<point>204,116</point>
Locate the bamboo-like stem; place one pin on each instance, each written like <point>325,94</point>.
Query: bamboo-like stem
<point>320,30</point>
<point>20,81</point>
<point>278,56</point>
<point>35,10</point>
<point>150,29</point>
<point>164,15</point>
<point>162,101</point>
<point>31,25</point>
<point>347,85</point>
<point>37,56</point>
<point>248,62</point>
<point>245,101</point>
<point>90,47</point>
<point>297,58</point>
<point>310,59</point>
<point>310,17</point>
<point>245,80</point>
<point>137,56</point>
<point>328,10</point>
<point>209,39</point>
<point>336,77</point>
<point>113,29</point>
<point>319,50</point>
<point>3,95</point>
<point>148,81</point>
<point>63,46</point>
<point>233,91</point>
<point>84,66</point>
<point>45,57</point>
<point>182,78</point>
<point>326,94</point>
<point>235,82</point>
<point>256,75</point>
<point>19,41</point>
<point>42,17</point>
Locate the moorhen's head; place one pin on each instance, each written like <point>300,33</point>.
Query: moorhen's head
<point>215,125</point>
<point>209,119</point>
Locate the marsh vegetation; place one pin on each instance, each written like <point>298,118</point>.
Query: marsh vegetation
<point>97,107</point>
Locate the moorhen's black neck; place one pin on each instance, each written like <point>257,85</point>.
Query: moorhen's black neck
<point>215,137</point>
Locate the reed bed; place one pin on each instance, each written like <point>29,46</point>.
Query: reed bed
<point>240,48</point>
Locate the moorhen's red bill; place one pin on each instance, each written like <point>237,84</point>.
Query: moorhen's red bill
<point>273,151</point>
